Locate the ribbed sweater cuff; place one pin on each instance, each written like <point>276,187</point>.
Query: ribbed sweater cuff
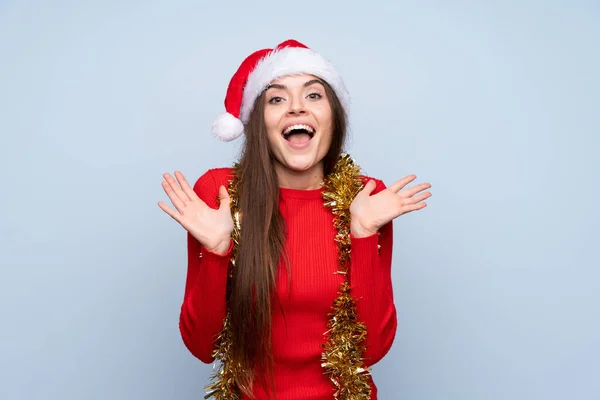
<point>212,258</point>
<point>364,243</point>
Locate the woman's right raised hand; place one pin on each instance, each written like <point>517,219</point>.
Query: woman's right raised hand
<point>210,227</point>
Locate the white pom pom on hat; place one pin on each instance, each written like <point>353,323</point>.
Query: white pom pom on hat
<point>227,127</point>
<point>261,68</point>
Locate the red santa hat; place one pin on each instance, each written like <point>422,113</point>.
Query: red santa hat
<point>262,67</point>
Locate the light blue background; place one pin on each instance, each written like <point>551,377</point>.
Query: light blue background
<point>496,281</point>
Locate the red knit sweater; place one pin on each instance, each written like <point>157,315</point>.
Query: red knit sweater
<point>313,253</point>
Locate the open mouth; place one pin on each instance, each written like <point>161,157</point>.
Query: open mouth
<point>298,133</point>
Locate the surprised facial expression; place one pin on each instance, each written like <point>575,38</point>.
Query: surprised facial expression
<point>299,124</point>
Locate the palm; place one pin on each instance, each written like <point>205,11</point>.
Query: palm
<point>371,212</point>
<point>211,227</point>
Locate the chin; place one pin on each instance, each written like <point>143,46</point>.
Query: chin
<point>300,163</point>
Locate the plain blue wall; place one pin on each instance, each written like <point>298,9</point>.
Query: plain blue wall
<point>497,282</point>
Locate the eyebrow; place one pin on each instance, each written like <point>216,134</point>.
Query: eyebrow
<point>306,84</point>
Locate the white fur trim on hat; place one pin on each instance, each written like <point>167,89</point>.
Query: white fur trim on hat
<point>227,127</point>
<point>290,61</point>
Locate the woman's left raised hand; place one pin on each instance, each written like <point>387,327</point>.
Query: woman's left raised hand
<point>370,212</point>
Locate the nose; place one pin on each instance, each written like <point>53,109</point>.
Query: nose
<point>296,107</point>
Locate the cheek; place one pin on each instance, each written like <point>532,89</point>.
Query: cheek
<point>326,123</point>
<point>327,139</point>
<point>270,118</point>
<point>324,114</point>
<point>271,123</point>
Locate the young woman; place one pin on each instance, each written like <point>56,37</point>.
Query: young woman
<point>289,251</point>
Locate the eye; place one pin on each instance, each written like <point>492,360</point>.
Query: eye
<point>275,100</point>
<point>315,96</point>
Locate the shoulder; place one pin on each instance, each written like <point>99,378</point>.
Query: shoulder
<point>379,185</point>
<point>214,176</point>
<point>207,185</point>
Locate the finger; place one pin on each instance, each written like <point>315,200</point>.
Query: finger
<point>413,207</point>
<point>416,199</point>
<point>176,188</point>
<point>409,193</point>
<point>368,188</point>
<point>224,198</point>
<point>398,185</point>
<point>179,205</point>
<point>172,213</point>
<point>185,186</point>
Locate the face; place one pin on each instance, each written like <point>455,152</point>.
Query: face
<point>299,123</point>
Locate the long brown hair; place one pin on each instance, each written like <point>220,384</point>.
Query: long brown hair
<point>262,240</point>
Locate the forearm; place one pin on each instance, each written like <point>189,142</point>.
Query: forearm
<point>371,285</point>
<point>204,305</point>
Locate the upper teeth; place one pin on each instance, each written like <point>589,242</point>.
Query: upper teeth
<point>299,126</point>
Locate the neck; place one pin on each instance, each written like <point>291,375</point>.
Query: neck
<point>300,180</point>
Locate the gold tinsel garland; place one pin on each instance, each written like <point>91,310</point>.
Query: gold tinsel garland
<point>224,386</point>
<point>342,353</point>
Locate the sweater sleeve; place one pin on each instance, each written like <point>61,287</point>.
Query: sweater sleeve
<point>371,285</point>
<point>204,303</point>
